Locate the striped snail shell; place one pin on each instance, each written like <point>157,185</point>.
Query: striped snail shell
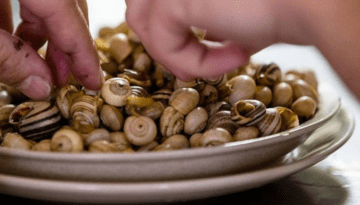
<point>64,98</point>
<point>140,130</point>
<point>162,95</point>
<point>136,78</point>
<point>222,119</point>
<point>248,112</point>
<point>36,120</point>
<point>268,74</point>
<point>208,95</point>
<point>171,122</point>
<point>270,123</point>
<point>217,81</point>
<point>115,91</point>
<point>213,108</point>
<point>84,113</point>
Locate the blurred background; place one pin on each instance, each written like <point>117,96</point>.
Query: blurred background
<point>112,12</point>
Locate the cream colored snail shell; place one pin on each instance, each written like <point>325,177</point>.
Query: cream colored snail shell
<point>120,47</point>
<point>95,135</point>
<point>195,121</point>
<point>174,142</point>
<point>215,137</point>
<point>282,95</point>
<point>264,94</point>
<point>64,99</point>
<point>102,146</point>
<point>115,91</point>
<point>66,140</point>
<point>246,133</point>
<point>119,140</point>
<point>302,88</point>
<point>171,122</point>
<point>242,87</point>
<point>140,130</point>
<point>5,126</point>
<point>42,146</point>
<point>184,99</point>
<point>16,141</point>
<point>305,107</point>
<point>5,98</point>
<point>111,117</point>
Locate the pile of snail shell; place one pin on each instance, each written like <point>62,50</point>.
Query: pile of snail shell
<point>142,107</point>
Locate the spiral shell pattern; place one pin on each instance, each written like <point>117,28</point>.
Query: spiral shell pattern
<point>222,119</point>
<point>140,130</point>
<point>248,112</point>
<point>270,123</point>
<point>84,117</point>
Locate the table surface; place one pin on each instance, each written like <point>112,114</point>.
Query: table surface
<point>333,181</point>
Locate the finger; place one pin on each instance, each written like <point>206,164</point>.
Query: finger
<point>84,9</point>
<point>22,67</point>
<point>6,16</point>
<point>137,15</point>
<point>31,29</point>
<point>67,29</point>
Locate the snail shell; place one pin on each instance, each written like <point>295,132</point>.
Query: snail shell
<point>208,95</point>
<point>282,95</point>
<point>302,88</point>
<point>222,119</point>
<point>268,75</point>
<point>16,141</point>
<point>136,78</point>
<point>66,140</point>
<point>120,47</point>
<point>289,119</point>
<point>148,147</point>
<point>5,98</point>
<point>195,121</point>
<point>264,94</point>
<point>305,107</point>
<point>270,123</point>
<point>84,113</point>
<point>102,146</point>
<point>119,140</point>
<point>95,135</point>
<point>242,87</point>
<point>245,133</point>
<point>140,130</point>
<point>217,81</point>
<point>174,142</point>
<point>36,120</point>
<point>111,117</point>
<point>64,99</point>
<point>142,63</point>
<point>162,95</point>
<point>216,107</point>
<point>248,112</point>
<point>195,140</point>
<point>42,146</point>
<point>215,137</point>
<point>171,122</point>
<point>115,91</point>
<point>5,126</point>
<point>184,99</point>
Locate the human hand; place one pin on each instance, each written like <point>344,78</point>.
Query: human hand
<point>70,47</point>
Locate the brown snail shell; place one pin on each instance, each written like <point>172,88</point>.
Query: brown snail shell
<point>154,111</point>
<point>213,108</point>
<point>242,87</point>
<point>302,88</point>
<point>171,122</point>
<point>195,121</point>
<point>115,91</point>
<point>268,74</point>
<point>217,81</point>
<point>111,117</point>
<point>16,141</point>
<point>5,98</point>
<point>5,126</point>
<point>119,140</point>
<point>184,100</point>
<point>64,99</point>
<point>36,120</point>
<point>66,140</point>
<point>195,140</point>
<point>270,123</point>
<point>102,146</point>
<point>264,94</point>
<point>222,119</point>
<point>305,107</point>
<point>215,137</point>
<point>142,63</point>
<point>289,119</point>
<point>282,95</point>
<point>248,112</point>
<point>162,95</point>
<point>84,113</point>
<point>196,83</point>
<point>120,47</point>
<point>140,130</point>
<point>174,142</point>
<point>246,133</point>
<point>208,95</point>
<point>136,78</point>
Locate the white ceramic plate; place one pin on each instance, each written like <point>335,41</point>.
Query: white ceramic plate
<point>323,142</point>
<point>172,165</point>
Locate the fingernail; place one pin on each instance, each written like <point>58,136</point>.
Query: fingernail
<point>35,87</point>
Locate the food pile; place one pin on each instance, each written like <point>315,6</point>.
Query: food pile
<point>143,107</point>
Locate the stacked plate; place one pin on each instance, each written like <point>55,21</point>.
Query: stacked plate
<point>177,175</point>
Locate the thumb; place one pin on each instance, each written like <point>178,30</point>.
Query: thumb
<point>23,68</point>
